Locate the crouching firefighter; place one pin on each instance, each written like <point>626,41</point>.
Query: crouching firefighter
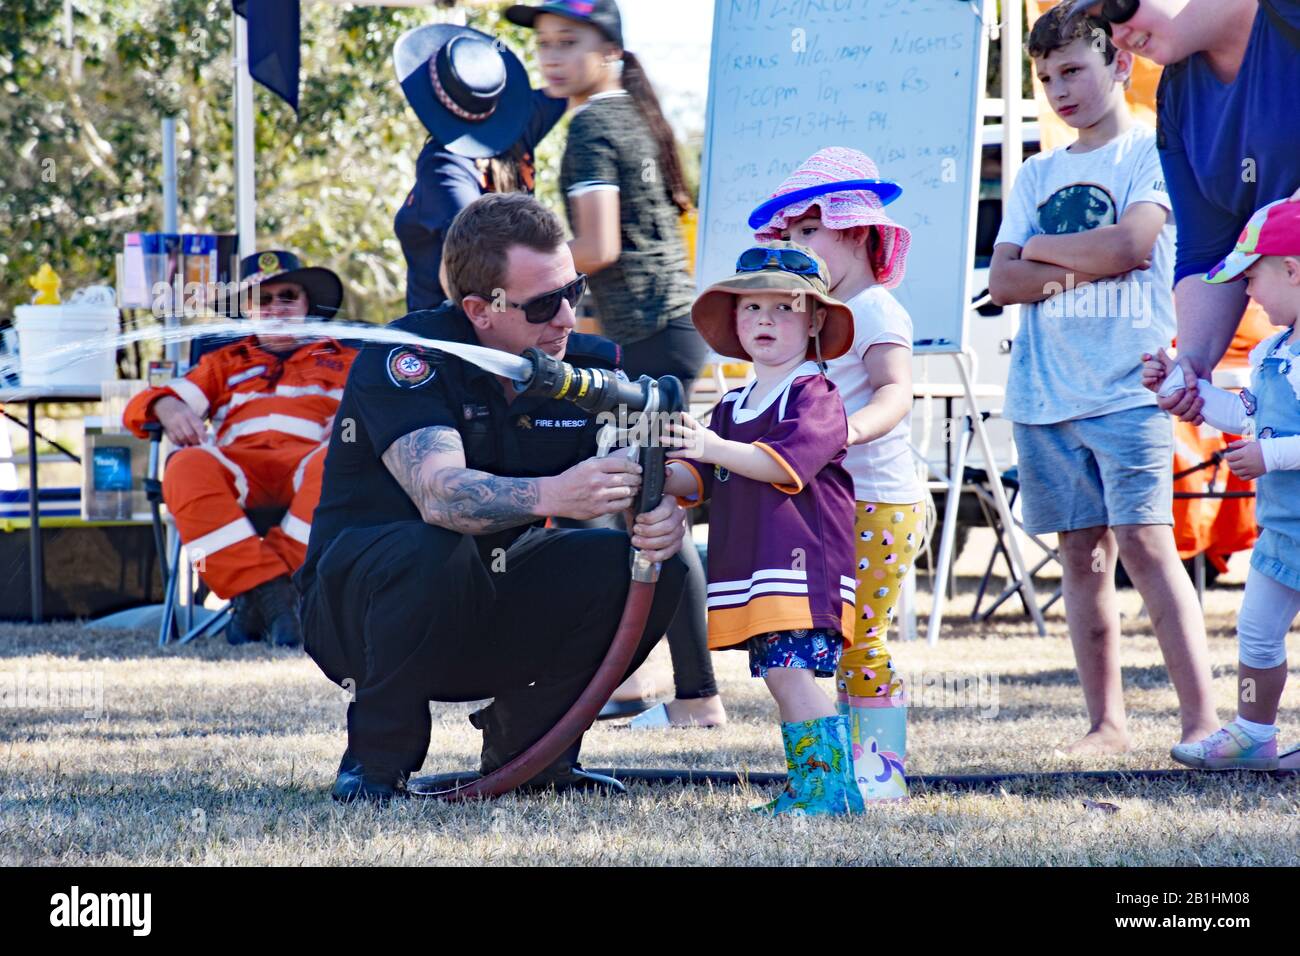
<point>429,574</point>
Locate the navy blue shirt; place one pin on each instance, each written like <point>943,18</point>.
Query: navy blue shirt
<point>444,185</point>
<point>395,390</point>
<point>1229,148</point>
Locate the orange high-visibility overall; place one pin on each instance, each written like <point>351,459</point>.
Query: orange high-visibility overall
<point>272,416</point>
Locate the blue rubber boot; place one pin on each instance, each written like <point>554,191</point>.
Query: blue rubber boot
<point>819,762</point>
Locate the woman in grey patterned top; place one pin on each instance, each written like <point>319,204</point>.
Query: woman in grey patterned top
<point>625,193</point>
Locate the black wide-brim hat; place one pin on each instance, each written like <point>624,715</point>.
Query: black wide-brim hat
<point>487,98</point>
<point>324,288</point>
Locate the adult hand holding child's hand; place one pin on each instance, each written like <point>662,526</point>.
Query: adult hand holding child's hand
<point>1177,392</point>
<point>1155,370</point>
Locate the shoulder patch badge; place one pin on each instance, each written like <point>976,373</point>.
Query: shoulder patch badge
<point>408,368</point>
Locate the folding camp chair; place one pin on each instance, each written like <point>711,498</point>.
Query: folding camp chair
<point>978,479</point>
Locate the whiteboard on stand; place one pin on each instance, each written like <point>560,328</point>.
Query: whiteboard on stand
<point>900,80</point>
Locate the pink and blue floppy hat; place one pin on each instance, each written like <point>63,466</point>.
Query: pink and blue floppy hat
<point>846,186</point>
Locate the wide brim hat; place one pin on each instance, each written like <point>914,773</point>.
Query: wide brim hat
<point>714,312</point>
<point>846,187</point>
<point>1273,230</point>
<point>483,103</point>
<point>324,288</point>
<point>601,14</point>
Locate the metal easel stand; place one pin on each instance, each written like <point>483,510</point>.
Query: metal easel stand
<point>974,424</point>
<point>1050,555</point>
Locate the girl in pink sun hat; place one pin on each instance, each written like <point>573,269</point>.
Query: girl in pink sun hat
<point>843,187</point>
<point>834,204</point>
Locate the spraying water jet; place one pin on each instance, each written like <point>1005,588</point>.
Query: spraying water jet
<point>648,401</point>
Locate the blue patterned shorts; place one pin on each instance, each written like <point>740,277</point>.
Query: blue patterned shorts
<point>817,650</point>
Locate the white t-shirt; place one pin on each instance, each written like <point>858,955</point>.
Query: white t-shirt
<point>883,470</point>
<point>1078,354</point>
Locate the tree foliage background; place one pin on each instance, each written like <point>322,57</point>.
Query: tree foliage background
<point>80,127</point>
<point>81,106</point>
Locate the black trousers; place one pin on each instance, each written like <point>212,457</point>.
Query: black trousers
<point>411,613</point>
<point>688,633</point>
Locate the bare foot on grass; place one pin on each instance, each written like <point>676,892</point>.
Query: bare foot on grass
<point>702,712</point>
<point>1098,743</point>
<point>640,686</point>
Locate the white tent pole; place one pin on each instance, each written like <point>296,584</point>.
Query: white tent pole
<point>245,198</point>
<point>1013,146</point>
<point>1013,153</point>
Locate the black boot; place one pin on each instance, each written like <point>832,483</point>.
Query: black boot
<point>370,784</point>
<point>277,600</point>
<point>245,620</point>
<point>564,774</point>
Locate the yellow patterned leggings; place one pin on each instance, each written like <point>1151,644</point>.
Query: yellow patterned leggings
<point>888,537</point>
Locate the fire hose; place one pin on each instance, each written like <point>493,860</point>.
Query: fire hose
<point>595,391</point>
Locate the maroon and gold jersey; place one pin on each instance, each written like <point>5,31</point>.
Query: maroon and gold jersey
<point>781,556</point>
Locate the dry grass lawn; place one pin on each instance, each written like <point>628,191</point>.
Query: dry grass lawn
<point>218,755</point>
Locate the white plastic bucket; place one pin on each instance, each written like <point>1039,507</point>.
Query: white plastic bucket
<point>43,328</point>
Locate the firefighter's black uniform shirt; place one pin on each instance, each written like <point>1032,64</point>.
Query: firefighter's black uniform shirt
<point>395,390</point>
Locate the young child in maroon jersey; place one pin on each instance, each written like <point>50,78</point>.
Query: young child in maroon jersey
<point>781,554</point>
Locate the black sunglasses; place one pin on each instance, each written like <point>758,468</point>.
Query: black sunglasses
<point>543,308</point>
<point>1118,11</point>
<point>787,260</point>
<point>284,295</point>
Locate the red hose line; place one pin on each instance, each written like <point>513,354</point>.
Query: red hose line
<point>579,716</point>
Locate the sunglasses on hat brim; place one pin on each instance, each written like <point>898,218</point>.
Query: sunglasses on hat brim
<point>541,309</point>
<point>1113,11</point>
<point>787,260</point>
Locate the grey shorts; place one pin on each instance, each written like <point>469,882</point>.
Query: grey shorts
<point>1110,470</point>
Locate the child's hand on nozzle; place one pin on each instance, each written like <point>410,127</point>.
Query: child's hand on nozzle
<point>684,437</point>
<point>1245,459</point>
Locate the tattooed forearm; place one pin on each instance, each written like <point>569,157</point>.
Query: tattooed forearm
<point>429,464</point>
<point>478,503</point>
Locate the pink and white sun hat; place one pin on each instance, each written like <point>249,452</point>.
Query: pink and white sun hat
<point>844,183</point>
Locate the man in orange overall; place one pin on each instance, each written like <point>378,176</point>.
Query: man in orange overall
<point>271,401</point>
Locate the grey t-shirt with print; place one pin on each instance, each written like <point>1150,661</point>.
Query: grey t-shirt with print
<point>610,147</point>
<point>1078,354</point>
